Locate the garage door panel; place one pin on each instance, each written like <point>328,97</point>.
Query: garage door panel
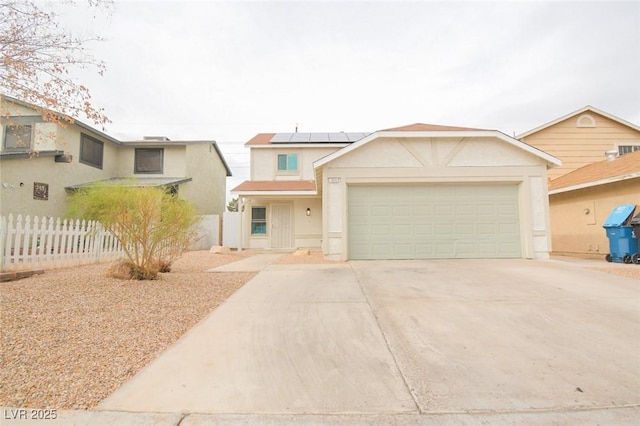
<point>380,230</point>
<point>445,249</point>
<point>402,230</point>
<point>507,210</point>
<point>508,229</point>
<point>400,211</point>
<point>422,210</point>
<point>465,229</point>
<point>433,221</point>
<point>466,248</point>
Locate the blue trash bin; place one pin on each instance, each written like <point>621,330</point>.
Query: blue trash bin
<point>623,241</point>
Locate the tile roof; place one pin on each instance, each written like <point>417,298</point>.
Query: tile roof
<point>261,139</point>
<point>422,127</point>
<point>276,185</point>
<point>605,171</point>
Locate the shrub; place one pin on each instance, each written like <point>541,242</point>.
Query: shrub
<point>153,226</point>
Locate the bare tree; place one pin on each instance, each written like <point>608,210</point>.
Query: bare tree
<point>37,57</point>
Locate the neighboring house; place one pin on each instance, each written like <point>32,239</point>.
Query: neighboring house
<point>580,202</point>
<point>418,191</point>
<point>42,162</point>
<point>582,137</point>
<point>585,189</point>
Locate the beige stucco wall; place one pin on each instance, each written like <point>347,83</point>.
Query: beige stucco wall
<point>264,165</point>
<point>391,161</point>
<point>173,157</point>
<point>207,190</point>
<point>579,146</point>
<point>19,176</point>
<point>577,216</point>
<point>307,230</point>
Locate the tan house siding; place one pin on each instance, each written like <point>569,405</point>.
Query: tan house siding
<point>578,146</point>
<point>207,190</point>
<point>577,217</point>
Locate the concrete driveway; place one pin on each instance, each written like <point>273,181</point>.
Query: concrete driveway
<point>408,338</point>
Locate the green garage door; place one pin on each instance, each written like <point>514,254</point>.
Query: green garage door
<point>433,221</point>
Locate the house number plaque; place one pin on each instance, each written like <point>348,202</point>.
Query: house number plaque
<point>40,191</point>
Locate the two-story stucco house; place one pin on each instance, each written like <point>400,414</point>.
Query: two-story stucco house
<point>42,162</point>
<point>412,192</point>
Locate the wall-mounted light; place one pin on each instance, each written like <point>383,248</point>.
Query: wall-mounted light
<point>308,211</point>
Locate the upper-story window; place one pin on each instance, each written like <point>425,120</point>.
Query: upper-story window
<point>287,162</point>
<point>149,160</point>
<point>17,137</point>
<point>91,151</point>
<point>626,149</point>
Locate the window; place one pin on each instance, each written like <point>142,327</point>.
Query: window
<point>17,137</point>
<point>585,120</point>
<point>287,162</point>
<point>91,151</point>
<point>149,160</point>
<point>258,220</point>
<point>626,149</point>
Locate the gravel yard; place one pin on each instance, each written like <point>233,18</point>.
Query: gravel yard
<point>72,336</point>
<point>629,271</point>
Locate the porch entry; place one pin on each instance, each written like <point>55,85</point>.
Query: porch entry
<point>281,226</point>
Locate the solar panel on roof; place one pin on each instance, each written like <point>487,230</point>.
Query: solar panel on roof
<point>281,137</point>
<point>300,137</point>
<point>338,137</point>
<point>319,137</point>
<point>355,136</point>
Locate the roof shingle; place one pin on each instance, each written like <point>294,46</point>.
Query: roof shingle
<point>624,165</point>
<point>422,127</point>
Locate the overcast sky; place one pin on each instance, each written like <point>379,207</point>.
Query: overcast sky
<point>228,70</point>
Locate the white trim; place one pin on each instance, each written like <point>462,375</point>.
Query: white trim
<point>595,183</point>
<point>438,134</point>
<point>580,111</point>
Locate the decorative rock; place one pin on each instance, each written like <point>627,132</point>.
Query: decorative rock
<point>219,250</point>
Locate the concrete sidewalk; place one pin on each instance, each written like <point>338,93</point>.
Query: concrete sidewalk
<point>609,416</point>
<point>250,264</point>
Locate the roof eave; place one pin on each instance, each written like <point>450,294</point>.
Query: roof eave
<point>550,159</point>
<point>573,114</point>
<point>595,183</point>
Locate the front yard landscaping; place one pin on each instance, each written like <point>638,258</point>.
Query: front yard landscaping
<point>72,336</point>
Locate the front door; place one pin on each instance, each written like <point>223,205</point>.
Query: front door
<point>281,232</point>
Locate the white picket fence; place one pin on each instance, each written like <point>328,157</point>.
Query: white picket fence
<point>46,243</point>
